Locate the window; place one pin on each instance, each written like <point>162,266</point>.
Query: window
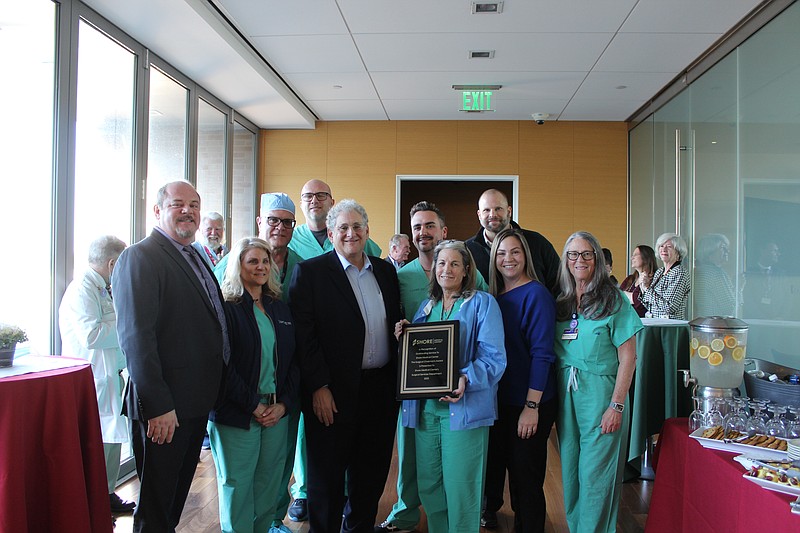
<point>243,215</point>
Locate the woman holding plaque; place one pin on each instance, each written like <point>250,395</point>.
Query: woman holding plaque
<point>526,395</point>
<point>452,432</point>
<point>596,356</point>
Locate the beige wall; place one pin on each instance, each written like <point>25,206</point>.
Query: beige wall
<point>572,175</point>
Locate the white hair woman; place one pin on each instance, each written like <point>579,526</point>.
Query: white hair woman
<point>665,295</point>
<point>452,432</point>
<point>596,357</point>
<point>248,427</point>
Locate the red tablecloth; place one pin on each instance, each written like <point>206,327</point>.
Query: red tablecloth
<point>698,489</point>
<point>52,469</point>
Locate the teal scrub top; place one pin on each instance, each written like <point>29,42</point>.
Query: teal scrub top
<point>415,285</point>
<point>305,244</point>
<point>595,349</point>
<point>266,380</point>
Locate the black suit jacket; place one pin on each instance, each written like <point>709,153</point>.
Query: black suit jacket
<point>330,329</point>
<point>168,331</point>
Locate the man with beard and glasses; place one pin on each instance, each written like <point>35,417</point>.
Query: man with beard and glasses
<point>210,237</point>
<point>494,215</point>
<point>172,330</point>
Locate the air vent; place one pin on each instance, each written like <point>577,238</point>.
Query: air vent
<point>481,54</point>
<point>486,7</point>
<point>477,87</point>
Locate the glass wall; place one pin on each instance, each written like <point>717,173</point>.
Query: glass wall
<point>27,54</point>
<point>737,154</point>
<point>103,141</point>
<point>211,156</point>
<point>243,198</point>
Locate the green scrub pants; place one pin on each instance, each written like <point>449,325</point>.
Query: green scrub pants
<point>451,466</point>
<point>284,498</point>
<point>250,467</point>
<point>591,465</point>
<point>299,489</point>
<point>405,512</point>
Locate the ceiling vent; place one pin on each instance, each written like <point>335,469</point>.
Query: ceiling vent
<point>477,87</point>
<point>486,7</point>
<point>481,54</point>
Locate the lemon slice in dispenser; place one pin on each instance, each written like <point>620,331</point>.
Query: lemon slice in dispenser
<point>717,345</point>
<point>715,359</point>
<point>730,341</point>
<point>695,343</point>
<point>738,353</point>
<point>704,351</point>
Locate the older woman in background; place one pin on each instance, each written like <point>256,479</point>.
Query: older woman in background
<point>452,432</point>
<point>714,293</point>
<point>643,263</point>
<point>596,357</point>
<point>248,429</point>
<point>527,391</point>
<point>665,295</point>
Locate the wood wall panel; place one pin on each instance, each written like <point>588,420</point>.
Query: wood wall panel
<point>572,175</point>
<point>546,170</point>
<point>488,147</point>
<point>598,161</point>
<point>427,147</point>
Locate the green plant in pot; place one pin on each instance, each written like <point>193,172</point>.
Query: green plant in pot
<point>10,336</point>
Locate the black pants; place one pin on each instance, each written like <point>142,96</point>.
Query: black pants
<point>165,474</point>
<point>526,462</point>
<point>357,443</point>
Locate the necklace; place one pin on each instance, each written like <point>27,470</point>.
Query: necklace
<point>446,313</point>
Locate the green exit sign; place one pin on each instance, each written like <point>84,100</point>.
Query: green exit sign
<point>477,100</point>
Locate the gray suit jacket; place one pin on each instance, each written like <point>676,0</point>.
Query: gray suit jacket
<point>168,331</point>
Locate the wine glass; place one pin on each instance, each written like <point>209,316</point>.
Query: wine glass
<point>714,416</point>
<point>777,425</point>
<point>763,402</point>
<point>793,429</point>
<point>736,419</point>
<point>698,418</point>
<point>755,424</point>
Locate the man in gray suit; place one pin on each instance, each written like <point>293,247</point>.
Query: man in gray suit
<point>172,331</point>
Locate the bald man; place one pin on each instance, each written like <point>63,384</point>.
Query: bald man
<point>494,215</point>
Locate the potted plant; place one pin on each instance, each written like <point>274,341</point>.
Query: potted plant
<point>10,336</point>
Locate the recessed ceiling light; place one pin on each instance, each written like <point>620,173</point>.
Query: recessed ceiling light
<point>621,87</point>
<point>713,142</point>
<point>481,54</point>
<point>487,7</point>
<point>337,86</point>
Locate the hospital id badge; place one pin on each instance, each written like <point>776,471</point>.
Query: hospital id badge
<point>570,334</point>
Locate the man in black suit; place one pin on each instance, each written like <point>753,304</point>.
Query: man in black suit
<point>345,305</point>
<point>173,334</point>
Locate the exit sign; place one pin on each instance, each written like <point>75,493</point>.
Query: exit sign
<point>477,101</point>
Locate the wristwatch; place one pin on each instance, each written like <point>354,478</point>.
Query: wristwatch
<point>618,407</point>
<point>531,405</point>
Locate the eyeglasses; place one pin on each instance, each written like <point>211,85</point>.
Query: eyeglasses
<point>344,228</point>
<point>320,196</point>
<point>587,255</point>
<point>288,223</point>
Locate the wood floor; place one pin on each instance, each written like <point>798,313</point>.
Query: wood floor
<point>201,513</point>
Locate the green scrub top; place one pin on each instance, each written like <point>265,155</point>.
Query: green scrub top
<point>266,380</point>
<point>414,286</point>
<point>305,244</point>
<point>595,349</point>
<point>437,314</point>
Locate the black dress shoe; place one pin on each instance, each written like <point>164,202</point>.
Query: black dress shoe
<point>118,505</point>
<point>298,511</point>
<point>489,519</point>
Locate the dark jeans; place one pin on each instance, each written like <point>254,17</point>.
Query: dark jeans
<point>526,462</point>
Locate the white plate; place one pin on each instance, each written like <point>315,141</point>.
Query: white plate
<point>771,485</point>
<point>735,447</point>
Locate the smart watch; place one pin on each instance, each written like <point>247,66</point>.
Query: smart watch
<point>618,407</point>
<point>531,405</point>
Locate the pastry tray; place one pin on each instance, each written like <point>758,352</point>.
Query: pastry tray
<point>735,447</point>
